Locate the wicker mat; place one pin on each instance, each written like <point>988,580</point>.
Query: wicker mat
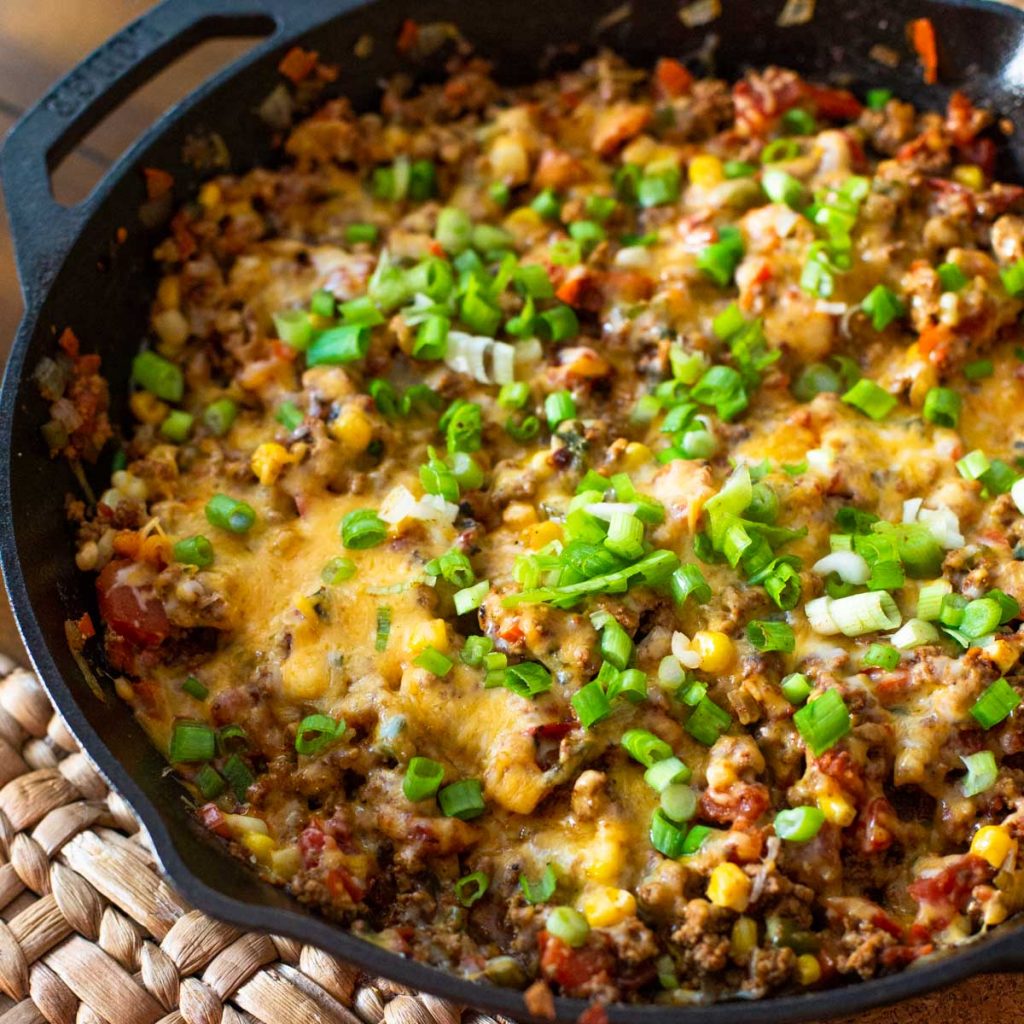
<point>90,933</point>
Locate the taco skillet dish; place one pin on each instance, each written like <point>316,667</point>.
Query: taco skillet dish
<point>573,536</point>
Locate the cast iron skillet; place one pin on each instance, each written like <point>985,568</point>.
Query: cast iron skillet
<point>74,273</point>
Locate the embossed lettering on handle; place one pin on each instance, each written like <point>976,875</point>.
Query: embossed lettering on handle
<point>102,67</point>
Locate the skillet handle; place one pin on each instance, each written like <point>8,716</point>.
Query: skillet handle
<point>42,229</point>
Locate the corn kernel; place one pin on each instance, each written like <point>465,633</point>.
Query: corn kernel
<point>607,854</point>
<point>706,171</point>
<point>970,176</point>
<point>432,633</point>
<point>353,429</point>
<point>267,462</point>
<point>743,938</point>
<point>636,455</point>
<point>715,650</point>
<point>541,466</point>
<point>925,378</point>
<point>519,514</point>
<point>541,534</point>
<point>993,843</point>
<point>808,968</point>
<point>168,292</point>
<point>640,151</point>
<point>260,846</point>
<point>836,808</point>
<point>306,608</point>
<point>285,863</point>
<point>729,887</point>
<point>605,905</point>
<point>147,408</point>
<point>209,195</point>
<point>1003,654</point>
<point>525,218</point>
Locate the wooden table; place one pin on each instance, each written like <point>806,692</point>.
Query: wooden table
<point>39,41</point>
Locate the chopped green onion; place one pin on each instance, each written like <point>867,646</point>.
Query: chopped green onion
<point>195,550</point>
<point>973,465</point>
<point>942,407</point>
<point>528,679</point>
<point>996,703</point>
<point>454,229</point>
<point>209,782</point>
<point>499,193</point>
<point>542,890</point>
<point>1013,279</point>
<point>455,568</point>
<point>176,426</point>
<point>559,407</point>
<point>929,600</point>
<point>587,233</point>
<point>423,778</point>
<point>158,376</point>
<point>645,747</point>
<point>883,306</point>
<point>558,324</point>
<point>666,836</point>
<point>239,777</point>
<point>707,722</point>
<point>337,345</point>
<point>799,824</point>
<point>565,253</point>
<point>796,688</point>
<point>337,570</point>
<point>659,188</point>
<point>470,598</point>
<point>219,416</point>
<point>625,535</point>
<point>1009,606</point>
<point>815,379</point>
<point>723,388</point>
<point>667,772</point>
<point>363,528</point>
<point>475,649</point>
<point>914,633</point>
<point>470,889</point>
<point>546,204</point>
<point>951,611</point>
<point>525,430</point>
<point>380,641</point>
<point>870,399</point>
<point>951,277</point>
<point>779,150</point>
<point>688,581</point>
<point>434,661</point>
<point>881,656</point>
<point>463,799</point>
<point>195,689</point>
<point>720,259</point>
<point>878,98</point>
<point>479,315</point>
<point>782,187</point>
<point>532,279</point>
<point>679,802</point>
<point>733,169</point>
<point>462,424</point>
<point>191,742</point>
<point>437,477</point>
<point>616,644</point>
<point>771,636</point>
<point>695,839</point>
<point>431,340</point>
<point>823,721</point>
<point>422,180</point>
<point>979,369</point>
<point>568,925</point>
<point>316,733</point>
<point>228,514</point>
<point>294,328</point>
<point>980,618</point>
<point>357,233</point>
<point>799,122</point>
<point>886,575</point>
<point>864,613</point>
<point>514,395</point>
<point>982,772</point>
<point>590,704</point>
<point>999,478</point>
<point>322,304</point>
<point>289,415</point>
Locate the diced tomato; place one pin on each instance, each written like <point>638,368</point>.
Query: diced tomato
<point>673,79</point>
<point>839,765</point>
<point>284,352</point>
<point>513,634</point>
<point>835,104</point>
<point>210,815</point>
<point>85,627</point>
<point>407,36</point>
<point>311,846</point>
<point>933,342</point>
<point>339,880</point>
<point>595,1013</point>
<point>134,612</point>
<point>742,805</point>
<point>922,38</point>
<point>297,64</point>
<point>875,828</point>
<point>946,893</point>
<point>573,969</point>
<point>552,730</point>
<point>158,182</point>
<point>628,285</point>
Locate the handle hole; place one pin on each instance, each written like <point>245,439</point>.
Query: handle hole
<point>80,170</point>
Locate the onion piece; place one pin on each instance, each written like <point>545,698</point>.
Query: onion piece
<point>911,507</point>
<point>503,363</point>
<point>914,633</point>
<point>1017,494</point>
<point>865,613</point>
<point>819,615</point>
<point>684,654</point>
<point>848,565</point>
<point>944,525</point>
<point>607,509</point>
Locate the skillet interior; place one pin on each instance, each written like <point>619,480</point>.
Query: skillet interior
<point>103,289</point>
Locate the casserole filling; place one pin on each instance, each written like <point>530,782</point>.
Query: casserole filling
<point>571,535</point>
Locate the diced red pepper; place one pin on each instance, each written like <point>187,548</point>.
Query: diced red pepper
<point>922,37</point>
<point>672,77</point>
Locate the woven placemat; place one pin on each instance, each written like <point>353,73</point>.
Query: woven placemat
<point>91,934</point>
